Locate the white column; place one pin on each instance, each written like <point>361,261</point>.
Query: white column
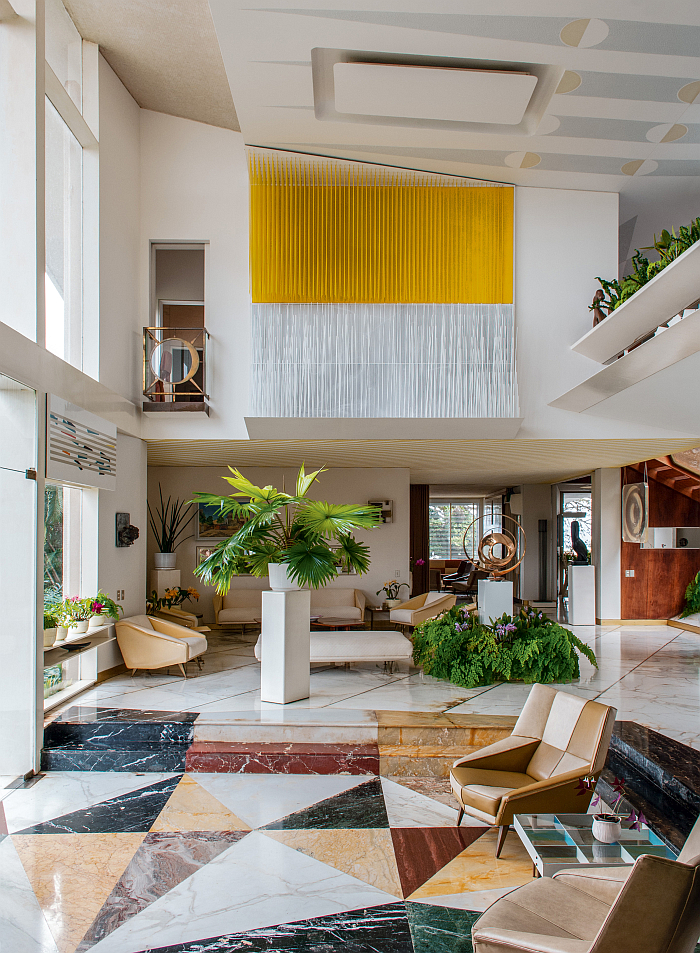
<point>495,596</point>
<point>286,651</point>
<point>607,540</point>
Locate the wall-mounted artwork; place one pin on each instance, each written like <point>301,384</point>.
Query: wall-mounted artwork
<point>80,447</point>
<point>202,553</point>
<point>212,525</point>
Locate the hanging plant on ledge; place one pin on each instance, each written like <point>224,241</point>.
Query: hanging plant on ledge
<point>312,538</point>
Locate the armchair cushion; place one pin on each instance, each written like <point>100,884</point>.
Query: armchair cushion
<point>338,603</point>
<point>419,608</point>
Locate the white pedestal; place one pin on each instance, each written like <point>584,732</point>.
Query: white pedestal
<point>285,668</point>
<point>581,595</point>
<point>495,596</point>
<point>162,579</point>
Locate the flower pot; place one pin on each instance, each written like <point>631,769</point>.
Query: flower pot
<point>165,560</point>
<point>61,633</point>
<point>81,626</point>
<point>49,637</point>
<point>606,828</point>
<point>393,603</point>
<point>280,581</point>
<point>96,620</point>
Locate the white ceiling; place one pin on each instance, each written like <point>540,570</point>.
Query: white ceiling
<point>627,102</point>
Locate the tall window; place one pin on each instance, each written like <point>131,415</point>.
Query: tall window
<point>448,523</point>
<point>576,508</point>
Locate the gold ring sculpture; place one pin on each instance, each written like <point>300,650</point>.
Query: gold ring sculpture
<point>484,557</point>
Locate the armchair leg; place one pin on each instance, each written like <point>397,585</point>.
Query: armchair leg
<point>461,815</point>
<point>133,672</point>
<point>184,673</point>
<point>199,663</point>
<point>502,831</point>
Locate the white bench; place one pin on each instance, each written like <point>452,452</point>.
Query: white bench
<point>354,646</point>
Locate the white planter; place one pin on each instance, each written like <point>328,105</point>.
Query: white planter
<point>280,581</point>
<point>165,560</point>
<point>606,828</point>
<point>393,603</point>
<point>96,620</point>
<point>49,637</point>
<point>80,627</point>
<point>61,633</point>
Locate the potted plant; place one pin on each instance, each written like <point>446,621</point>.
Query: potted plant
<point>172,598</point>
<point>102,608</point>
<point>392,589</point>
<point>50,622</point>
<point>168,523</point>
<point>76,613</point>
<point>297,541</point>
<point>607,827</point>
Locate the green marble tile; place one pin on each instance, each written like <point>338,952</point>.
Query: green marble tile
<point>440,929</point>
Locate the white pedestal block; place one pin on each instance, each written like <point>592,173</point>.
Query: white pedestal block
<point>162,579</point>
<point>581,595</point>
<point>285,668</point>
<point>495,596</point>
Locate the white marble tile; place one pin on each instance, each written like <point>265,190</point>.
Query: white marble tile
<point>62,792</point>
<point>260,799</point>
<point>256,883</point>
<point>282,724</point>
<point>407,808</point>
<point>23,928</point>
<point>155,700</point>
<point>478,900</point>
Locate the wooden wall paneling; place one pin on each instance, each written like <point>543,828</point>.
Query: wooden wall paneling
<point>420,536</point>
<point>669,573</point>
<point>634,590</point>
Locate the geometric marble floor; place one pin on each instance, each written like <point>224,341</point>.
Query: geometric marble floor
<point>123,863</point>
<point>651,674</point>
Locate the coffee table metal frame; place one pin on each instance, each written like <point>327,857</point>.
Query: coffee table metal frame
<point>561,841</point>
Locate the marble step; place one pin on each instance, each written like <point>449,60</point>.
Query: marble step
<point>283,758</point>
<point>161,757</point>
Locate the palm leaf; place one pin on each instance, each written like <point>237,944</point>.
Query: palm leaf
<point>310,564</point>
<point>354,555</point>
<point>336,519</point>
<point>304,481</point>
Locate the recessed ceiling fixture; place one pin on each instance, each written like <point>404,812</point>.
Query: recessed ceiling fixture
<point>423,92</point>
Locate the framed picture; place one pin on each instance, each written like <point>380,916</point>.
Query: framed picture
<point>212,525</point>
<point>202,553</point>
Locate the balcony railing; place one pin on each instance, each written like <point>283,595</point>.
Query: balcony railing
<point>387,360</point>
<point>174,369</point>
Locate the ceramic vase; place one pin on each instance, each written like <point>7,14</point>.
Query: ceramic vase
<point>61,633</point>
<point>393,603</point>
<point>606,828</point>
<point>49,637</point>
<point>165,560</point>
<point>280,580</point>
<point>80,627</point>
<point>96,620</point>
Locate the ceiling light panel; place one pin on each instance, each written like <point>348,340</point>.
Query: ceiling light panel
<point>421,92</point>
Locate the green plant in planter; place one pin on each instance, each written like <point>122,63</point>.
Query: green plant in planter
<point>169,522</point>
<point>528,648</point>
<point>50,619</point>
<point>312,537</point>
<point>692,597</point>
<point>103,605</point>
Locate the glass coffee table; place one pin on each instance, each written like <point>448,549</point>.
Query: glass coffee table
<point>558,841</point>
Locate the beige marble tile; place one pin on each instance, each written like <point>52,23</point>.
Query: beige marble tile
<point>192,808</point>
<point>477,868</point>
<point>72,875</point>
<point>367,855</point>
<point>427,751</point>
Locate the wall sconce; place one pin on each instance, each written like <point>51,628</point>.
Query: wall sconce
<point>126,534</point>
<point>386,509</point>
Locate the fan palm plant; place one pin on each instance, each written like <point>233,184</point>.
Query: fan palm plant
<point>313,538</point>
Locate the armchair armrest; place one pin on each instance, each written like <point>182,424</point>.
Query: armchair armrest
<point>537,798</point>
<point>603,883</point>
<point>534,942</point>
<point>360,602</point>
<point>150,633</point>
<point>182,617</point>
<point>173,629</point>
<point>508,754</point>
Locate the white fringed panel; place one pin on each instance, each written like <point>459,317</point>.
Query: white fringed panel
<point>383,360</point>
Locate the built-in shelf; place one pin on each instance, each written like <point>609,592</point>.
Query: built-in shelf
<point>666,348</point>
<point>85,642</point>
<point>672,290</point>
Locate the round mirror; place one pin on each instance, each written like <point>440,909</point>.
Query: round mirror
<point>174,361</point>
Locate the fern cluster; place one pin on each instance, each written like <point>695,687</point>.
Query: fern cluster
<point>527,648</point>
<point>692,597</point>
<point>668,246</point>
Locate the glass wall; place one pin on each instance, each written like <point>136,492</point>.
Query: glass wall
<point>448,523</point>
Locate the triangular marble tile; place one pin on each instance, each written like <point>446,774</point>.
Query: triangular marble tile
<point>382,928</point>
<point>192,808</point>
<point>134,811</point>
<point>474,900</point>
<point>259,799</point>
<point>365,854</point>
<point>360,807</point>
<point>24,927</point>
<point>162,861</point>
<point>72,875</point>
<point>477,868</point>
<point>422,851</point>
<point>407,808</point>
<point>440,929</point>
<point>256,883</point>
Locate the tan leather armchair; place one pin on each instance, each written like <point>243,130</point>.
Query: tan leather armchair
<point>653,907</point>
<point>419,608</point>
<point>557,740</point>
<point>147,642</point>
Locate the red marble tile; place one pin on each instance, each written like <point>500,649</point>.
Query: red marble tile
<point>283,758</point>
<point>421,851</point>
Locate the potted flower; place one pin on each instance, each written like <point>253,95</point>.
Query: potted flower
<point>607,827</point>
<point>172,598</point>
<point>50,622</point>
<point>298,542</point>
<point>392,588</point>
<point>76,613</point>
<point>102,607</point>
<point>168,523</point>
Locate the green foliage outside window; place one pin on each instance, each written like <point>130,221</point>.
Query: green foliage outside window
<point>527,648</point>
<point>692,597</point>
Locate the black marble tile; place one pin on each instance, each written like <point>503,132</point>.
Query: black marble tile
<point>118,734</point>
<point>90,713</point>
<point>84,758</point>
<point>360,807</point>
<point>135,812</point>
<point>382,929</point>
<point>440,929</point>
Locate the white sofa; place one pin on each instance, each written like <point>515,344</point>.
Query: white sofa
<point>332,603</point>
<point>419,608</point>
<point>243,606</point>
<point>355,646</point>
<point>238,607</point>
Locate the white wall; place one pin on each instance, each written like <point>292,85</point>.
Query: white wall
<point>388,543</point>
<point>121,320</point>
<point>607,542</point>
<point>194,187</point>
<point>123,567</point>
<point>537,505</point>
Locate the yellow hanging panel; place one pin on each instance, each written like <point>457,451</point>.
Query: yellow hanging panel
<point>321,232</point>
